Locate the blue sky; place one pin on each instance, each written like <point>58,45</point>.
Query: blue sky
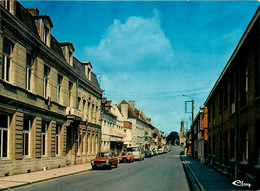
<point>152,51</point>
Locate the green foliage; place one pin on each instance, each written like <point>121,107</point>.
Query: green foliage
<point>173,138</point>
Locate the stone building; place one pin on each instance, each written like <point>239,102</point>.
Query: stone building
<point>49,101</point>
<point>234,110</point>
<point>112,129</point>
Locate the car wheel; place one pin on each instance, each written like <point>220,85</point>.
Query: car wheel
<point>94,167</point>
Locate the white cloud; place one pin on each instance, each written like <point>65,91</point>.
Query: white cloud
<point>138,44</point>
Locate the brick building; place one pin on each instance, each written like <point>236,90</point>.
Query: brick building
<point>234,110</point>
<point>199,134</point>
<point>49,101</point>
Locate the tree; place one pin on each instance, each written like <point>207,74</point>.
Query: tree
<point>173,138</point>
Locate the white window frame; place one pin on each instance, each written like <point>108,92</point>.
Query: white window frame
<point>2,129</point>
<point>44,138</point>
<point>29,72</point>
<point>45,81</point>
<point>28,133</point>
<point>46,32</point>
<point>7,4</point>
<point>7,59</point>
<point>70,93</point>
<point>57,139</point>
<point>60,79</point>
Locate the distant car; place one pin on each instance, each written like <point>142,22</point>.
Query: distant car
<point>166,150</point>
<point>160,151</point>
<point>127,157</point>
<point>155,152</point>
<point>104,159</point>
<point>148,153</point>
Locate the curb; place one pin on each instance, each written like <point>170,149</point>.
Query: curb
<point>187,166</point>
<point>38,181</point>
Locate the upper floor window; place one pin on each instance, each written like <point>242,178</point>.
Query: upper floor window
<point>257,75</point>
<point>45,80</point>
<point>45,35</point>
<point>78,103</point>
<point>4,126</point>
<point>60,78</point>
<point>244,86</point>
<point>7,4</point>
<point>8,48</point>
<point>29,64</point>
<point>70,93</point>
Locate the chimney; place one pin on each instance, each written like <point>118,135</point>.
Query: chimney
<point>34,11</point>
<point>132,103</point>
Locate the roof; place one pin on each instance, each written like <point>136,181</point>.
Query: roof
<point>230,62</point>
<point>67,44</point>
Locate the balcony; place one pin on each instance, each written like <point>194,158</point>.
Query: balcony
<point>74,114</point>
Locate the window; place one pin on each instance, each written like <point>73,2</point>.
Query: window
<point>232,143</point>
<point>44,137</point>
<point>257,135</point>
<point>84,110</point>
<point>245,143</point>
<point>232,93</point>
<point>45,80</point>
<point>4,125</point>
<point>57,138</point>
<point>7,4</point>
<point>78,106</point>
<point>29,63</point>
<point>8,48</point>
<point>26,131</point>
<point>244,86</point>
<point>60,78</point>
<point>45,35</point>
<point>70,93</point>
<point>220,103</point>
<point>225,96</point>
<point>257,73</point>
<point>70,57</point>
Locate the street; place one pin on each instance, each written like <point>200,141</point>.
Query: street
<point>162,172</point>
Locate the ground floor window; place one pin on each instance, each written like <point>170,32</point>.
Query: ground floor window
<point>245,143</point>
<point>44,137</point>
<point>4,126</point>
<point>26,131</point>
<point>57,138</point>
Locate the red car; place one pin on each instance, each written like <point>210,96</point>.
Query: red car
<point>104,159</point>
<point>127,157</point>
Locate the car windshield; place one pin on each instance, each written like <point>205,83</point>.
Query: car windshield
<point>133,149</point>
<point>104,155</point>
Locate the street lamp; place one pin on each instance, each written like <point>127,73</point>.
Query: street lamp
<point>192,105</point>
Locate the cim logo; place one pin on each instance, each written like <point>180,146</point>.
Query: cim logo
<point>240,183</point>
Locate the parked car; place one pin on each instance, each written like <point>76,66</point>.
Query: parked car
<point>160,151</point>
<point>138,152</point>
<point>127,157</point>
<point>104,159</point>
<point>154,152</point>
<point>148,153</point>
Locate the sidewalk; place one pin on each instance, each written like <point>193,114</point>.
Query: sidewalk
<point>33,177</point>
<point>207,177</point>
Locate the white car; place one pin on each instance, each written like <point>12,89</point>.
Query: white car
<point>160,151</point>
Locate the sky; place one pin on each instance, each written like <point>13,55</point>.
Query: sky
<point>152,52</point>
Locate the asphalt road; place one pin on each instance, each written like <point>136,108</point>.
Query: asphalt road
<point>163,172</point>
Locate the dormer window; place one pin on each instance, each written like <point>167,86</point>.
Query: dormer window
<point>46,35</point>
<point>7,4</point>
